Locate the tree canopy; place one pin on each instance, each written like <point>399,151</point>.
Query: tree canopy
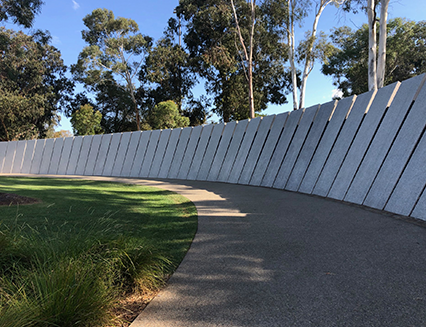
<point>33,85</point>
<point>114,56</point>
<point>21,12</point>
<point>215,55</point>
<point>406,55</point>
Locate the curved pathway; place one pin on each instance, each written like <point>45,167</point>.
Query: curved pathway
<point>265,257</point>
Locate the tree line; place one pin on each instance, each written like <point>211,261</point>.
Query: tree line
<point>245,51</point>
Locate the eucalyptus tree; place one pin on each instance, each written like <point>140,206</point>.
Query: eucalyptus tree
<point>406,55</point>
<point>376,56</point>
<point>33,84</point>
<point>20,12</point>
<point>115,54</point>
<point>215,36</point>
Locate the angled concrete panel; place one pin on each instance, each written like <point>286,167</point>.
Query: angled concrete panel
<point>219,131</point>
<point>19,157</point>
<point>3,148</point>
<point>56,156</point>
<point>140,153</point>
<point>191,164</point>
<point>10,156</point>
<point>382,141</point>
<point>102,154</point>
<point>93,155</point>
<point>411,184</point>
<point>306,153</point>
<point>159,153</point>
<point>186,151</point>
<point>75,153</point>
<point>121,154</point>
<point>169,155</point>
<point>401,150</point>
<point>269,146</point>
<point>244,150</point>
<point>295,147</point>
<point>255,150</point>
<point>150,152</point>
<point>328,139</point>
<point>281,147</point>
<point>131,153</point>
<point>84,154</point>
<point>47,156</point>
<point>65,156</point>
<point>28,157</point>
<point>233,150</point>
<point>420,208</point>
<point>38,155</point>
<point>343,142</point>
<point>222,149</point>
<point>359,146</point>
<point>112,154</point>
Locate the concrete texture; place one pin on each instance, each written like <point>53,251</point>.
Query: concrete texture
<point>233,151</point>
<point>343,143</point>
<point>306,153</point>
<point>280,149</point>
<point>288,259</point>
<point>244,150</point>
<point>362,140</point>
<point>159,153</point>
<point>399,154</point>
<point>382,140</point>
<point>326,144</point>
<point>263,148</point>
<point>169,153</point>
<point>181,147</point>
<point>295,146</point>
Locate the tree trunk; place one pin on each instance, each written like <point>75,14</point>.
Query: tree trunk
<point>372,45</point>
<point>248,56</point>
<point>308,59</point>
<point>291,40</point>
<point>381,60</point>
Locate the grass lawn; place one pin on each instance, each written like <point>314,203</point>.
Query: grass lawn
<point>70,259</point>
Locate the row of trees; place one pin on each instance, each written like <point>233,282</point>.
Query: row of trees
<point>244,51</point>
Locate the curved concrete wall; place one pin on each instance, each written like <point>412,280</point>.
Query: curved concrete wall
<point>368,149</point>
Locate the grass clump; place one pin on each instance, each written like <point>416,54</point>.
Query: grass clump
<point>71,266</point>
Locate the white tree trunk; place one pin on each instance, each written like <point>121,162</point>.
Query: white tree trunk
<point>291,50</point>
<point>248,55</point>
<point>308,59</point>
<point>372,45</point>
<point>381,60</point>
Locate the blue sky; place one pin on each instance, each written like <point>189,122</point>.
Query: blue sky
<point>64,20</point>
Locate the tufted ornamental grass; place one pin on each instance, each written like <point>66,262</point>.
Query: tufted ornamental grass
<point>68,260</point>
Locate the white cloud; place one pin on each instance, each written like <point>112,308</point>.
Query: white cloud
<point>336,93</point>
<point>56,40</point>
<point>75,5</point>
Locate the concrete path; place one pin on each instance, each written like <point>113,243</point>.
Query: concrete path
<point>265,257</point>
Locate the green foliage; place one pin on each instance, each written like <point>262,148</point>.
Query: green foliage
<point>166,115</point>
<point>33,85</point>
<point>405,55</point>
<point>67,260</point>
<point>215,55</point>
<point>20,11</point>
<point>114,55</point>
<point>85,121</point>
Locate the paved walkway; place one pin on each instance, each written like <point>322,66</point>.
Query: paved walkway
<point>264,257</point>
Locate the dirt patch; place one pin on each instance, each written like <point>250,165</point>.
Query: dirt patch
<point>7,199</point>
<point>130,307</point>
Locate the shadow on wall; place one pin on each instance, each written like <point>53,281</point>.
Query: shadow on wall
<point>368,149</point>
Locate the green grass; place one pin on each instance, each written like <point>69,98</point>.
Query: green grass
<point>67,260</point>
